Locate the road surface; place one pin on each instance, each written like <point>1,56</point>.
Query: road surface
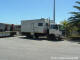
<point>21,48</point>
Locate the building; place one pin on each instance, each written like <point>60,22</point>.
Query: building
<point>17,27</point>
<point>9,27</point>
<point>2,26</point>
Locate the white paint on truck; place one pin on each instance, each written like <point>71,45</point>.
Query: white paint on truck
<point>40,27</point>
<point>54,29</point>
<point>34,26</point>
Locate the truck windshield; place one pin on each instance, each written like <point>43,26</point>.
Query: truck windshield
<point>54,27</point>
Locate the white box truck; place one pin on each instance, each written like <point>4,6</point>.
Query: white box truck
<point>39,27</point>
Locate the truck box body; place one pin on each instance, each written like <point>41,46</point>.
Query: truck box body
<point>34,26</point>
<point>40,27</point>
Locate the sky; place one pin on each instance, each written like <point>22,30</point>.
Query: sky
<point>13,11</point>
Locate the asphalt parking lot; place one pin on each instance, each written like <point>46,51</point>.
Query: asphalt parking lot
<point>21,48</point>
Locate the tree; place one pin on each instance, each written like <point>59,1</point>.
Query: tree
<point>64,23</point>
<point>64,26</point>
<point>74,21</point>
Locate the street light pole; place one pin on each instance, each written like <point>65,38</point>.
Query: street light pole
<point>54,12</point>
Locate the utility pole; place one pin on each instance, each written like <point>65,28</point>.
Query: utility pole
<point>54,12</point>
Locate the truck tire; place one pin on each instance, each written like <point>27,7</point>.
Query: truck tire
<point>35,36</point>
<point>51,37</point>
<point>59,38</point>
<point>28,36</point>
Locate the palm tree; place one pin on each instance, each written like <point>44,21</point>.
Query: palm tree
<point>76,15</point>
<point>75,19</point>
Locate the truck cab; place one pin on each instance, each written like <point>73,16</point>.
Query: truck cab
<point>54,31</point>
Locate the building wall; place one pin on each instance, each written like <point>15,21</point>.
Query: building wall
<point>17,27</point>
<point>7,27</point>
<point>2,27</point>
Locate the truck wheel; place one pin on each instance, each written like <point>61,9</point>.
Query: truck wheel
<point>59,38</point>
<point>51,37</point>
<point>36,36</point>
<point>28,36</point>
